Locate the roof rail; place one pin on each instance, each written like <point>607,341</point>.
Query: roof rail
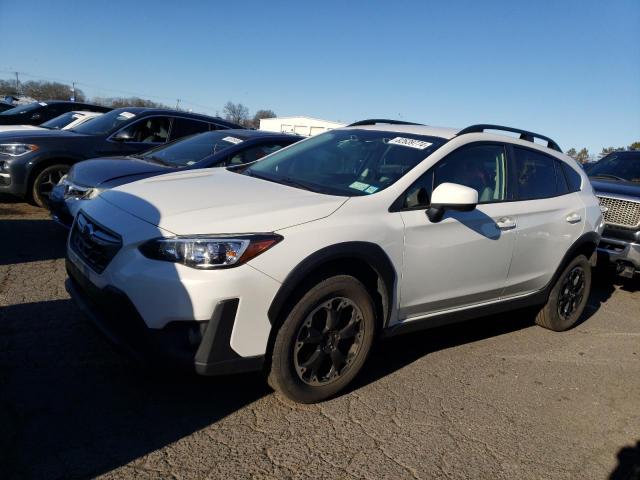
<point>375,121</point>
<point>524,134</point>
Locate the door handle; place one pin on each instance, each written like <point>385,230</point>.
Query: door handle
<point>574,218</point>
<point>506,223</point>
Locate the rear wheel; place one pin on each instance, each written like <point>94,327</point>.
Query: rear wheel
<point>44,182</point>
<point>324,341</point>
<point>568,297</point>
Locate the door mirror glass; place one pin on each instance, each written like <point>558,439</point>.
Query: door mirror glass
<point>451,196</point>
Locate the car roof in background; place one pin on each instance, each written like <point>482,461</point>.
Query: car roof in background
<point>170,111</point>
<point>426,130</point>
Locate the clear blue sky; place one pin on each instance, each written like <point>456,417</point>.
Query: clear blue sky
<point>569,69</point>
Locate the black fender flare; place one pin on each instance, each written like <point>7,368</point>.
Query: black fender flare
<point>367,252</point>
<point>586,239</point>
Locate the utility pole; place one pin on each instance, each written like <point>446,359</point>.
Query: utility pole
<point>17,84</point>
<point>177,104</point>
<point>73,91</point>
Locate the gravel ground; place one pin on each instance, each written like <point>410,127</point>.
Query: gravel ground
<point>494,398</point>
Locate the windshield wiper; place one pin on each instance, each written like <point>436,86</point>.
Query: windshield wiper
<point>607,175</point>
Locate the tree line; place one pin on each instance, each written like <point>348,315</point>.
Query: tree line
<point>583,155</point>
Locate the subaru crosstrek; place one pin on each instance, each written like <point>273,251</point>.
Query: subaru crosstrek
<point>298,262</point>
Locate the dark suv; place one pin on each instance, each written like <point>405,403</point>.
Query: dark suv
<point>616,183</point>
<point>39,112</point>
<point>33,162</point>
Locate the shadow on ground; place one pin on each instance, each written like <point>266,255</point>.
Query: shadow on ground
<point>30,240</point>
<point>71,407</point>
<point>628,467</point>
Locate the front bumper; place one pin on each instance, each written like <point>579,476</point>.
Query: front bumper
<point>202,346</point>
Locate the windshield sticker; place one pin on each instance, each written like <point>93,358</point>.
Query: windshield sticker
<point>410,142</point>
<point>233,140</point>
<point>44,104</point>
<point>190,162</point>
<point>359,186</point>
<point>127,115</point>
<point>371,189</point>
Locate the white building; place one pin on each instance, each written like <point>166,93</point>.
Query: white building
<point>306,126</point>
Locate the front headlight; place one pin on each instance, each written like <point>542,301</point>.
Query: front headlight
<point>17,149</point>
<point>78,192</point>
<point>208,252</point>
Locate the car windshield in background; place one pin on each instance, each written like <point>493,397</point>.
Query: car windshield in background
<point>107,123</point>
<point>61,121</point>
<point>625,166</point>
<point>347,162</point>
<point>191,150</point>
<point>22,108</point>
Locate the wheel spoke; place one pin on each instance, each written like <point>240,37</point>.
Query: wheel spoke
<point>332,318</point>
<point>337,359</point>
<point>314,361</point>
<point>313,337</point>
<point>349,330</point>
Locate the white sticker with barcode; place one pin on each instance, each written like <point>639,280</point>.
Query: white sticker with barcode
<point>44,104</point>
<point>127,115</point>
<point>233,140</point>
<point>410,142</point>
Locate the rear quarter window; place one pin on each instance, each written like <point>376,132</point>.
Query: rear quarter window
<point>574,180</point>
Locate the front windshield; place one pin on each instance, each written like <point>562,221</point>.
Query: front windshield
<point>190,150</point>
<point>347,162</point>
<point>104,124</point>
<point>61,121</point>
<point>22,108</point>
<point>618,167</point>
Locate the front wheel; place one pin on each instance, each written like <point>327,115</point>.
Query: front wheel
<point>45,181</point>
<point>568,297</point>
<point>324,341</point>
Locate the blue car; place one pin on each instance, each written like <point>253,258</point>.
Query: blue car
<point>222,148</point>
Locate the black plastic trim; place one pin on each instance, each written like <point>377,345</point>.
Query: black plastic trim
<point>524,134</point>
<point>370,253</point>
<point>215,355</point>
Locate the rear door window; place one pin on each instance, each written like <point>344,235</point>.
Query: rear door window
<point>184,126</point>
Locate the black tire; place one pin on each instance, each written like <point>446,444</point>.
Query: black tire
<point>44,182</point>
<point>305,355</point>
<point>568,296</point>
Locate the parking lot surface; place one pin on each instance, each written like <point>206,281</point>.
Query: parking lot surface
<point>494,398</point>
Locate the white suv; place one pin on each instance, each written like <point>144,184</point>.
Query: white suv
<point>297,263</point>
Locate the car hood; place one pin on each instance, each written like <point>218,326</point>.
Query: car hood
<point>615,187</point>
<point>215,200</point>
<point>97,171</point>
<point>39,134</point>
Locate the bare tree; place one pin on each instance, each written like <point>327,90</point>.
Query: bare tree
<point>260,114</point>
<point>582,156</point>
<point>634,146</point>
<point>41,90</point>
<point>236,113</point>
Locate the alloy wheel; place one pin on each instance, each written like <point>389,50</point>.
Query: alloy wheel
<point>328,341</point>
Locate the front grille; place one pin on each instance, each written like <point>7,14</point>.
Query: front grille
<point>621,213</point>
<point>93,243</point>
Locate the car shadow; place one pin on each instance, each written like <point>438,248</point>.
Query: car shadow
<point>31,240</point>
<point>628,467</point>
<point>72,407</point>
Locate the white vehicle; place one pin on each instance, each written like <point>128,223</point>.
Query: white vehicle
<point>66,121</point>
<point>297,263</point>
